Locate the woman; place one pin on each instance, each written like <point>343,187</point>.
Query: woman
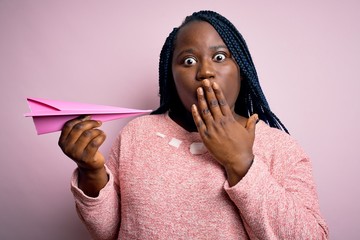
<point>201,166</point>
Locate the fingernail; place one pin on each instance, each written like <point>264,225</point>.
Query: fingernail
<point>193,107</point>
<point>206,83</point>
<point>215,85</point>
<point>200,90</point>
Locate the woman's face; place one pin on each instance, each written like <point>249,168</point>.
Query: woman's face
<point>200,54</point>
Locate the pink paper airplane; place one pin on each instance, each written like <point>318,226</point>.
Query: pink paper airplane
<point>50,115</point>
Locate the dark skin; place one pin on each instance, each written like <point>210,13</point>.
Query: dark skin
<point>208,82</point>
<point>80,140</point>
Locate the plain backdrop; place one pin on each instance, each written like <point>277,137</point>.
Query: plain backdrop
<point>106,52</point>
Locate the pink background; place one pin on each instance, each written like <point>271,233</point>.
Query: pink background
<point>106,52</point>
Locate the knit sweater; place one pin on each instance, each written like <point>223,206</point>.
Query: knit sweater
<point>163,184</point>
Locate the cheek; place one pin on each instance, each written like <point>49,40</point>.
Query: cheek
<point>185,87</point>
<point>231,93</point>
<point>181,81</point>
<point>231,89</point>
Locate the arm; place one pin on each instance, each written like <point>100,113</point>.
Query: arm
<point>93,185</point>
<point>100,214</point>
<point>271,210</point>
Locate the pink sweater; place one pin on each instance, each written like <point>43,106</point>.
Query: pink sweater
<point>158,189</point>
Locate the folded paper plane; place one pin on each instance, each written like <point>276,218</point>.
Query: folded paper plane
<point>50,115</point>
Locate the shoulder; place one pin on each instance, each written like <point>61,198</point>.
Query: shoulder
<point>266,133</point>
<point>144,124</point>
<point>276,142</point>
<point>145,120</point>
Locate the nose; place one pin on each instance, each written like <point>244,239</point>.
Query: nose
<point>205,71</point>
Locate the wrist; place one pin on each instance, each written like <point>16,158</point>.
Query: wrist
<point>92,181</point>
<point>236,171</point>
<point>92,174</point>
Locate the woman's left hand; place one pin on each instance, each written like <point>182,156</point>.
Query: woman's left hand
<point>229,141</point>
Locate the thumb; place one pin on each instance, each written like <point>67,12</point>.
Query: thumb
<point>251,123</point>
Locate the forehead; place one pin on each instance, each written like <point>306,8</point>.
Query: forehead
<point>199,33</point>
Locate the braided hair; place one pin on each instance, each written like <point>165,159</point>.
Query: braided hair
<point>251,98</point>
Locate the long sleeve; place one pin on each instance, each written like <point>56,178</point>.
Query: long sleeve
<point>169,193</point>
<point>101,215</point>
<point>277,198</point>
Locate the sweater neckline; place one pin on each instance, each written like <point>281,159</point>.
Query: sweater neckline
<point>177,128</point>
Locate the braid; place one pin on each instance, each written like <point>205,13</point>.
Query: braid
<point>166,82</point>
<point>251,98</point>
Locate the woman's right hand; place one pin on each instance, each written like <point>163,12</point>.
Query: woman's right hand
<point>80,140</point>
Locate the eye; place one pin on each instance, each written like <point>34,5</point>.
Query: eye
<point>189,61</point>
<point>219,57</point>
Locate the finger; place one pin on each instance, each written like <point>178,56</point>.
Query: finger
<point>201,127</point>
<point>83,141</point>
<point>98,138</point>
<point>211,99</point>
<point>79,128</point>
<point>68,126</point>
<point>251,124</point>
<point>224,107</point>
<point>203,109</point>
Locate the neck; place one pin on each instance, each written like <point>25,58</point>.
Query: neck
<point>184,119</point>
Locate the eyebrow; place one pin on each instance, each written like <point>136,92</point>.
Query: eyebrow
<point>191,50</point>
<point>218,47</point>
